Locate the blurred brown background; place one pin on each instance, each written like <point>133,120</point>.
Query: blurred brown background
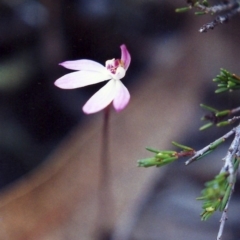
<point>49,150</point>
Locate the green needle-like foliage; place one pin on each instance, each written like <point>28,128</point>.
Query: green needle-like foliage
<point>160,159</point>
<point>215,117</point>
<point>217,192</point>
<point>164,157</point>
<point>213,195</point>
<point>226,81</point>
<point>193,3</point>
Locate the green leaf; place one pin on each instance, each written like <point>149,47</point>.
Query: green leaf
<point>211,109</point>
<point>186,148</point>
<point>223,113</point>
<point>217,80</point>
<point>225,198</point>
<point>183,9</point>
<point>234,80</point>
<point>204,127</point>
<point>222,85</point>
<point>213,194</point>
<point>220,90</point>
<point>205,3</point>
<point>147,162</point>
<point>166,161</point>
<point>231,84</point>
<point>199,13</point>
<point>216,143</point>
<point>152,150</point>
<point>223,124</point>
<point>203,155</point>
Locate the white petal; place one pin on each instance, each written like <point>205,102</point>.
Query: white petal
<point>101,98</point>
<point>80,79</point>
<point>84,64</point>
<point>122,96</point>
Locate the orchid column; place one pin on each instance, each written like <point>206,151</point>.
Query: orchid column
<point>91,72</point>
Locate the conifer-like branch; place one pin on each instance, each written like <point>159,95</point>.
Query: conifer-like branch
<point>226,11</point>
<point>217,193</point>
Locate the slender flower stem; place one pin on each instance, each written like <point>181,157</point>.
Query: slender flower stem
<point>105,200</point>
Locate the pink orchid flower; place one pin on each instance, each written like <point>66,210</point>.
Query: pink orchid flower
<point>91,72</point>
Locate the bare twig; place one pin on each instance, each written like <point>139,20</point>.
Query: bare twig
<point>232,152</point>
<point>209,147</point>
<point>223,221</point>
<point>218,20</point>
<point>235,110</point>
<point>231,164</point>
<point>234,119</point>
<point>229,10</point>
<point>218,8</point>
<point>224,214</point>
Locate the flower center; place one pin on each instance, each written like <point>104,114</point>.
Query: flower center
<point>112,65</point>
<point>116,68</point>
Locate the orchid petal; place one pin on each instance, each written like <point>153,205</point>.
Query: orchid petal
<point>84,64</point>
<point>125,56</point>
<point>122,97</point>
<point>101,98</point>
<point>80,79</point>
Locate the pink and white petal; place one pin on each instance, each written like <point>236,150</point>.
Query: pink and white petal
<point>84,64</point>
<point>101,98</point>
<point>80,79</point>
<point>122,96</point>
<point>125,56</point>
